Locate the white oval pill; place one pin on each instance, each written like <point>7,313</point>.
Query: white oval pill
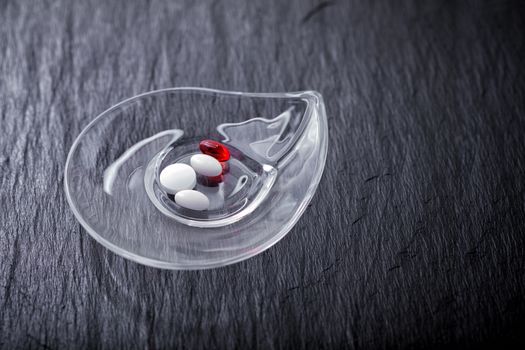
<point>191,199</point>
<point>177,177</point>
<point>206,165</point>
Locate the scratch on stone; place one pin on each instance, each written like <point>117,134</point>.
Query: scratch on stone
<point>358,219</point>
<point>328,268</point>
<point>371,178</point>
<point>316,10</point>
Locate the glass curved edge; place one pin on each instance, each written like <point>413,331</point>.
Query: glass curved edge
<point>315,97</point>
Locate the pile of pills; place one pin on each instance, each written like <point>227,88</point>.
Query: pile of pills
<point>180,179</point>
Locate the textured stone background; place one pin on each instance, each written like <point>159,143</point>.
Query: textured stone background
<point>415,238</point>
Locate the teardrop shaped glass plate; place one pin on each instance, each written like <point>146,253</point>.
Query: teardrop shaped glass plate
<point>278,144</point>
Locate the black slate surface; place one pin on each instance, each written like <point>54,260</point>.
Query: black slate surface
<point>414,239</point>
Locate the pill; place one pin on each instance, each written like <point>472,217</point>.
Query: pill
<point>193,200</point>
<point>206,165</point>
<point>177,177</point>
<point>225,167</point>
<point>215,149</point>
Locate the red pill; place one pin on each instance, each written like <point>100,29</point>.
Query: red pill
<point>215,149</point>
<point>225,167</point>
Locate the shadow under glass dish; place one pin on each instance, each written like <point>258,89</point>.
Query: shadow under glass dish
<point>278,145</point>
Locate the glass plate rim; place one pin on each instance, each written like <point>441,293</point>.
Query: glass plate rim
<point>323,126</point>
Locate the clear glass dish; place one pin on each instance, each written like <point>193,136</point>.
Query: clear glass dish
<point>278,144</point>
